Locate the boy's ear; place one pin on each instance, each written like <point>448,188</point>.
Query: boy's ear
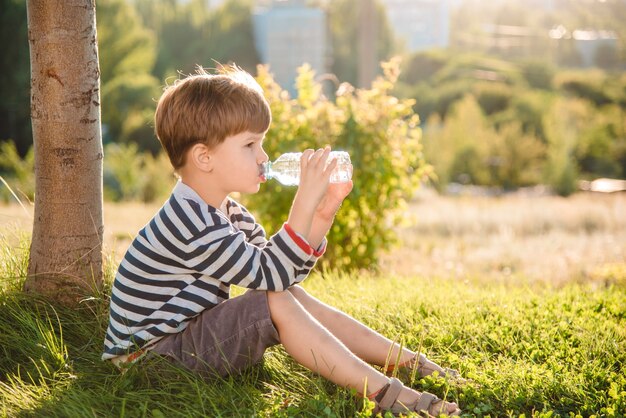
<point>200,157</point>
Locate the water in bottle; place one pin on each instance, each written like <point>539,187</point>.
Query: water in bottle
<point>286,168</point>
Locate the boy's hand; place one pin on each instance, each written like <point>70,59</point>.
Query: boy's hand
<point>317,200</point>
<point>325,211</point>
<point>331,202</point>
<point>314,175</point>
<point>314,180</point>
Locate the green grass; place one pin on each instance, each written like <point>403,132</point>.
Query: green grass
<point>527,348</point>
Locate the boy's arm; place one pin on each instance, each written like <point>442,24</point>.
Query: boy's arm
<point>317,200</point>
<point>245,222</point>
<point>325,212</point>
<point>314,180</point>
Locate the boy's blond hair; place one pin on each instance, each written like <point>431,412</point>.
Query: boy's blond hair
<point>207,108</point>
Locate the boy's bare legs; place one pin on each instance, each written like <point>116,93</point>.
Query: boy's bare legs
<point>316,348</point>
<point>361,340</point>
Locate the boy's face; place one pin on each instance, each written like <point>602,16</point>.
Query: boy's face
<point>237,163</point>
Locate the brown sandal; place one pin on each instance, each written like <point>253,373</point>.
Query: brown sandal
<point>405,370</point>
<point>427,404</point>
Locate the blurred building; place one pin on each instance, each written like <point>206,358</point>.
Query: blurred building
<point>512,41</point>
<point>591,43</point>
<point>420,24</point>
<point>593,47</point>
<point>288,34</point>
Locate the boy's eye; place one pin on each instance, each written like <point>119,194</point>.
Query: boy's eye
<point>250,144</point>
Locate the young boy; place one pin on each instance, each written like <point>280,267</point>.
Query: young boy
<point>171,293</point>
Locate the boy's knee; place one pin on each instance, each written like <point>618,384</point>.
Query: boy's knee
<point>298,292</point>
<point>280,303</point>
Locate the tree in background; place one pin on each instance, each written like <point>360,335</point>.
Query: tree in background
<point>458,149</point>
<point>563,124</point>
<point>15,75</point>
<point>190,34</point>
<point>344,30</point>
<point>127,59</point>
<point>66,248</point>
<point>601,149</point>
<point>516,158</point>
<point>127,55</point>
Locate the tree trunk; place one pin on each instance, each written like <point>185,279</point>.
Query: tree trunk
<point>367,30</point>
<point>66,250</point>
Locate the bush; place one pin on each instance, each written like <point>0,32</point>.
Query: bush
<point>589,85</point>
<point>381,134</point>
<point>602,143</point>
<point>459,148</point>
<point>421,66</point>
<point>128,109</point>
<point>430,99</point>
<point>527,108</point>
<point>538,74</point>
<point>17,172</point>
<point>467,149</point>
<point>563,125</point>
<point>517,158</point>
<point>134,176</point>
<point>493,97</point>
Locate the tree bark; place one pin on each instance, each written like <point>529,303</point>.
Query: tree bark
<point>66,249</point>
<point>367,30</point>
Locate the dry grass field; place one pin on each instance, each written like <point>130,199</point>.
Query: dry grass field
<point>537,238</point>
<point>514,237</point>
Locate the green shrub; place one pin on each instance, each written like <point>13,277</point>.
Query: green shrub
<point>381,134</point>
<point>128,109</point>
<point>527,108</point>
<point>135,176</point>
<point>127,55</point>
<point>563,124</point>
<point>458,149</point>
<point>517,158</point>
<point>443,98</point>
<point>589,85</point>
<point>602,143</point>
<point>421,66</point>
<point>493,97</point>
<point>474,67</point>
<point>17,172</point>
<point>538,74</point>
<point>466,149</point>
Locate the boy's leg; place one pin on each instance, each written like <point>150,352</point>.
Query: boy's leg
<point>363,341</point>
<point>316,348</point>
<point>225,339</point>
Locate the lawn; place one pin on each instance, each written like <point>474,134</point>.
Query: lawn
<point>525,296</point>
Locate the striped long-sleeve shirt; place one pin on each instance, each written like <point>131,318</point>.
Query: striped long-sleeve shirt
<point>184,261</point>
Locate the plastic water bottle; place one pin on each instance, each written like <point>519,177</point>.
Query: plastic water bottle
<point>286,168</point>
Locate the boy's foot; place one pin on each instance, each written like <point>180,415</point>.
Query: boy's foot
<point>398,399</point>
<point>425,367</point>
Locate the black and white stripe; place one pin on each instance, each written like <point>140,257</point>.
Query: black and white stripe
<point>184,261</point>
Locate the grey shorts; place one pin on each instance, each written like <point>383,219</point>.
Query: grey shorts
<point>225,339</point>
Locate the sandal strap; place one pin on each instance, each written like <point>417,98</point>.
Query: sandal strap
<point>423,370</point>
<point>391,394</point>
<point>421,363</point>
<point>425,402</point>
<point>452,373</point>
<point>419,358</point>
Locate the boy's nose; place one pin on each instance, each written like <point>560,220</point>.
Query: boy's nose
<point>263,157</point>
